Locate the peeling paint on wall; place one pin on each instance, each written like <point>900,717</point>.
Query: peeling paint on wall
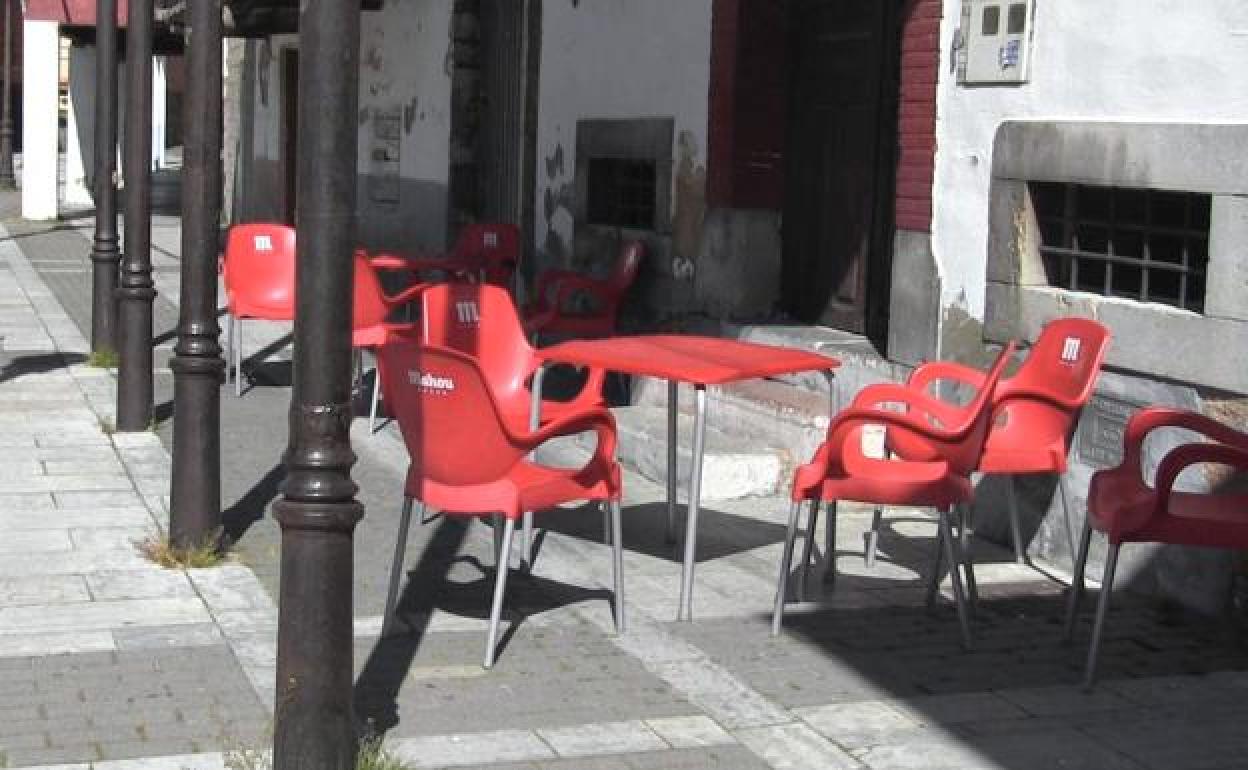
<point>558,199</point>
<point>409,115</point>
<point>689,206</point>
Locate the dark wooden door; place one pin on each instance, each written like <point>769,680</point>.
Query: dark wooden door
<point>836,167</point>
<point>290,126</point>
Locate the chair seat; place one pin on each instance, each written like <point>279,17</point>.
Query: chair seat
<point>1040,459</point>
<point>528,487</point>
<point>888,482</point>
<point>1124,508</point>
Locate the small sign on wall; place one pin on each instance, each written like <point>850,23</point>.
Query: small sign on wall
<point>995,41</point>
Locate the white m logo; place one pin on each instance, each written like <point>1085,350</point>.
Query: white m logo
<point>490,240</point>
<point>263,242</point>
<point>467,313</point>
<point>1070,349</point>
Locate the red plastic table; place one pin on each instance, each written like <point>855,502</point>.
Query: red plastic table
<point>698,361</point>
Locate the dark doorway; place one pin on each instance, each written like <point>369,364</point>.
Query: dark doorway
<point>290,124</point>
<point>840,148</point>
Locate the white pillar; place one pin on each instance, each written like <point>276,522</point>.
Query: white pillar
<point>80,128</point>
<point>40,83</point>
<point>158,113</point>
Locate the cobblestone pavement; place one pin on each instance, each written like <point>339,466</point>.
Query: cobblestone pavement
<point>106,658</point>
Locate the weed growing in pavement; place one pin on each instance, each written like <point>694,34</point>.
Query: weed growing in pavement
<point>372,756</point>
<point>103,359</point>
<point>209,553</point>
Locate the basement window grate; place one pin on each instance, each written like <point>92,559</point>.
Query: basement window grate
<point>622,192</point>
<point>1147,245</point>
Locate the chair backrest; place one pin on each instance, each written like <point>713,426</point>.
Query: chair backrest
<point>495,245</point>
<point>963,456</point>
<point>627,265</point>
<point>369,306</point>
<point>481,321</point>
<point>446,413</point>
<point>1040,404</point>
<point>258,269</point>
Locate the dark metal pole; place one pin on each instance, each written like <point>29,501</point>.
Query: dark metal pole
<point>6,109</point>
<point>105,255</point>
<point>195,495</point>
<point>135,290</point>
<point>313,724</point>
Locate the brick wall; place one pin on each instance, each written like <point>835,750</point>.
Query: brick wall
<point>916,116</point>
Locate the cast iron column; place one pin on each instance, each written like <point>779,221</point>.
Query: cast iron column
<point>104,252</point>
<point>195,495</point>
<point>313,725</point>
<point>134,289</point>
<point>6,109</point>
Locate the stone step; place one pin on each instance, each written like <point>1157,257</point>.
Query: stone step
<point>735,465</point>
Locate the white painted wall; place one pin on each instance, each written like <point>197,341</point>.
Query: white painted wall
<point>40,66</point>
<point>80,126</point>
<point>1112,60</point>
<point>616,59</point>
<point>404,66</point>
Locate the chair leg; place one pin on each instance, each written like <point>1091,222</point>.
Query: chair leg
<point>500,586</point>
<point>617,561</point>
<point>966,527</point>
<point>238,357</point>
<point>607,526</point>
<point>873,537</point>
<point>372,410</point>
<point>933,583</point>
<point>1102,609</point>
<point>396,566</point>
<point>1076,581</point>
<point>959,597</point>
<point>786,560</point>
<point>829,545</point>
<point>495,522</point>
<point>526,542</point>
<point>1016,531</point>
<point>807,547</point>
<point>229,345</point>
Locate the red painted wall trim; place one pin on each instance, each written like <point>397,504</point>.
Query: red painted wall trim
<point>77,13</point>
<point>916,114</point>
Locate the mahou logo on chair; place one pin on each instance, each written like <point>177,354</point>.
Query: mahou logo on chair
<point>430,382</point>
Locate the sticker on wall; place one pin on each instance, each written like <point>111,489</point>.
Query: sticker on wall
<point>383,162</point>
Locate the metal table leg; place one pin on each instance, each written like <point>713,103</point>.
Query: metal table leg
<point>673,409</point>
<point>535,422</point>
<point>695,491</point>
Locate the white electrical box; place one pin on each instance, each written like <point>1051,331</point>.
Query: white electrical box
<point>995,41</point>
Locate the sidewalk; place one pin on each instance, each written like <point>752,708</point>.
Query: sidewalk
<point>106,657</point>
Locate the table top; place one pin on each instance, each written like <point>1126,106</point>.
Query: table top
<point>687,358</point>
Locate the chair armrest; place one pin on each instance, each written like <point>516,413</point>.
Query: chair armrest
<point>598,420</point>
<point>854,417</point>
<point>394,262</point>
<point>1187,455</point>
<point>935,371</point>
<point>1152,418</point>
<point>872,396</point>
<point>406,295</point>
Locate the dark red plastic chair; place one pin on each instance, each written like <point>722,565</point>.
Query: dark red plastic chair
<point>935,450</point>
<point>483,252</point>
<point>1122,505</point>
<point>258,270</point>
<point>551,309</point>
<point>371,310</point>
<point>1035,411</point>
<point>467,458</point>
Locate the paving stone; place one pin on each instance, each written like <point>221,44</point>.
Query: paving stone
<point>606,738</point>
<point>690,732</point>
<point>101,615</point>
<point>469,748</point>
<point>48,589</point>
<point>15,645</point>
<point>139,584</point>
<point>794,747</point>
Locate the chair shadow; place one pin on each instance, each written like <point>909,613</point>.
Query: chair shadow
<point>38,363</point>
<point>428,589</point>
<point>719,534</point>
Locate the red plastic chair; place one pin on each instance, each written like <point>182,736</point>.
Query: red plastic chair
<point>467,458</point>
<point>1123,506</point>
<point>936,450</point>
<point>371,309</point>
<point>258,270</point>
<point>550,311</point>
<point>481,320</point>
<point>1035,412</point>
